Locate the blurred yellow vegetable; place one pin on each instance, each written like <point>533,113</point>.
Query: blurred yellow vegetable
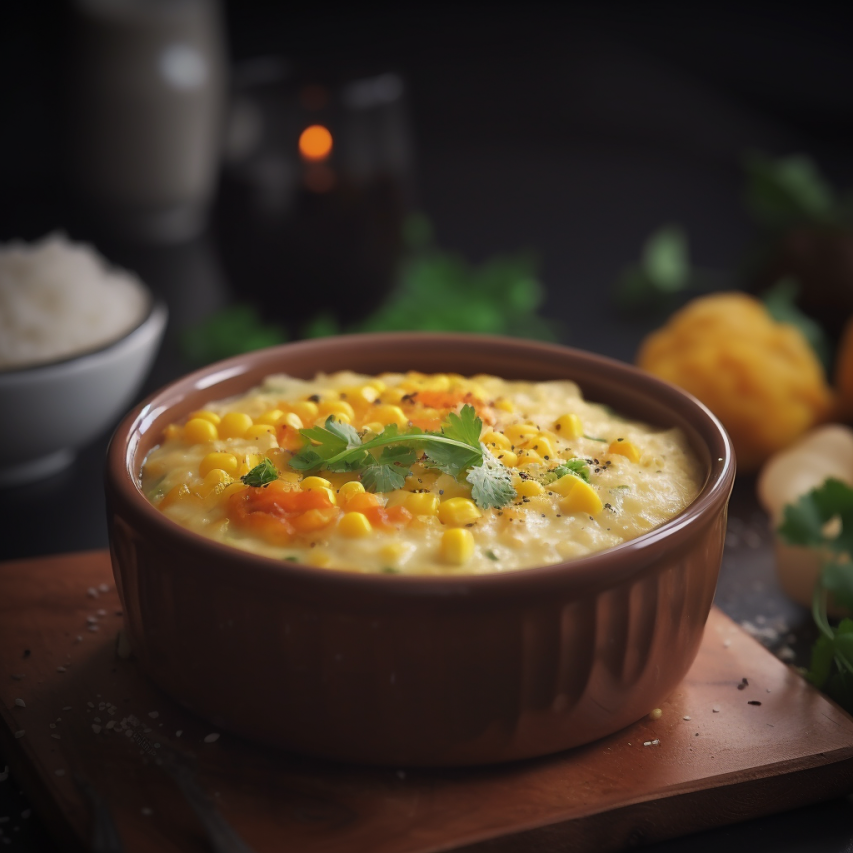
<point>760,377</point>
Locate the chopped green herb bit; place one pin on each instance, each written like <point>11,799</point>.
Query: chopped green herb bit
<point>385,461</point>
<point>491,555</point>
<point>577,466</point>
<point>262,474</point>
<point>595,438</point>
<point>389,570</point>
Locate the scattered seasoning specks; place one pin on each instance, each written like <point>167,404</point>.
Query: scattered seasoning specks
<point>61,669</point>
<point>743,684</point>
<point>655,742</point>
<point>211,738</point>
<point>104,587</point>
<point>685,717</point>
<point>179,732</point>
<point>153,714</point>
<point>20,703</point>
<point>92,592</point>
<point>753,702</point>
<point>96,728</point>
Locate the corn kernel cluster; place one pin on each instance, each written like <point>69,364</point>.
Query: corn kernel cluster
<point>311,511</point>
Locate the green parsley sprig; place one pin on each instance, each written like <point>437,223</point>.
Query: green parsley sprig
<point>823,519</point>
<point>384,462</point>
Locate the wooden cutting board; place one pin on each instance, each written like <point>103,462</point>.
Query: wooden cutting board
<point>724,750</point>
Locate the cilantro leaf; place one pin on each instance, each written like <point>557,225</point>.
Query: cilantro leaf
<point>390,470</point>
<point>457,448</point>
<point>804,522</point>
<point>464,427</point>
<point>323,443</point>
<point>577,466</point>
<point>262,474</point>
<point>491,483</point>
<point>837,578</point>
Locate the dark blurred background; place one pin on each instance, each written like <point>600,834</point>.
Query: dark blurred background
<point>572,130</point>
<point>167,134</point>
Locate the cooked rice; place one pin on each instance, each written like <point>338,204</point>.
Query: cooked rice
<point>59,299</point>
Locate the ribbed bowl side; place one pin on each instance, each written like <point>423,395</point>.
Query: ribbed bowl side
<point>420,681</point>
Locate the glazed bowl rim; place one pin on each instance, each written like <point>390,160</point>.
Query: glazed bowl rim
<point>605,567</point>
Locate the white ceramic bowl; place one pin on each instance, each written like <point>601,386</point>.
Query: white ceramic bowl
<point>52,410</point>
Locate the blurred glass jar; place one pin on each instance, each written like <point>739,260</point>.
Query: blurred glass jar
<point>145,109</point>
<point>316,182</point>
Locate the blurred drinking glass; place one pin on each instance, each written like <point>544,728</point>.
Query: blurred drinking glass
<point>147,90</point>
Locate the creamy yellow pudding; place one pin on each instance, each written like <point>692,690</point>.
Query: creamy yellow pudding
<point>419,474</point>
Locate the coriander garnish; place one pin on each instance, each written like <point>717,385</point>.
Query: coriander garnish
<point>261,475</point>
<point>455,450</point>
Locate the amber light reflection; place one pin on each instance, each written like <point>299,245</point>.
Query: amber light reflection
<point>315,143</point>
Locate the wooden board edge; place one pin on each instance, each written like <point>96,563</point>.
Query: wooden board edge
<point>685,813</point>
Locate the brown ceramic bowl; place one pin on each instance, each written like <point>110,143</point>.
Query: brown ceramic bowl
<point>418,670</point>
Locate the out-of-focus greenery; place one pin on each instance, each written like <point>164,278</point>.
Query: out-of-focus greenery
<point>784,192</point>
<point>437,290</point>
<point>234,330</point>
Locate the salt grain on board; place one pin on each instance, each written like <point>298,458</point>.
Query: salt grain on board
<point>20,703</point>
<point>211,738</point>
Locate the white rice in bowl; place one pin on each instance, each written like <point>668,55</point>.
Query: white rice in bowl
<point>59,299</point>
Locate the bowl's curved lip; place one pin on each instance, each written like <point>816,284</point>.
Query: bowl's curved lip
<point>155,313</point>
<point>618,562</point>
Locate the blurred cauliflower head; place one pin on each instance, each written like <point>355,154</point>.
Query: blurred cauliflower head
<point>761,378</point>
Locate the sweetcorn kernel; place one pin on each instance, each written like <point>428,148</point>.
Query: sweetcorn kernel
<point>518,434</point>
<point>508,457</point>
<point>312,482</point>
<point>421,503</point>
<point>205,415</point>
<point>579,497</point>
<point>374,426</point>
<point>228,462</point>
<point>504,405</point>
<point>336,408</point>
<point>393,552</point>
<point>542,445</point>
<point>387,414</point>
<point>258,431</point>
<point>306,411</point>
<point>569,426</point>
<point>234,425</point>
<point>529,488</point>
<point>348,490</point>
<point>457,546</point>
<point>200,431</point>
<point>272,417</point>
<point>292,420</point>
<point>354,525</point>
<point>177,494</point>
<point>496,439</point>
<point>214,478</point>
<point>458,511</point>
<point>173,432</point>
<point>625,448</point>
